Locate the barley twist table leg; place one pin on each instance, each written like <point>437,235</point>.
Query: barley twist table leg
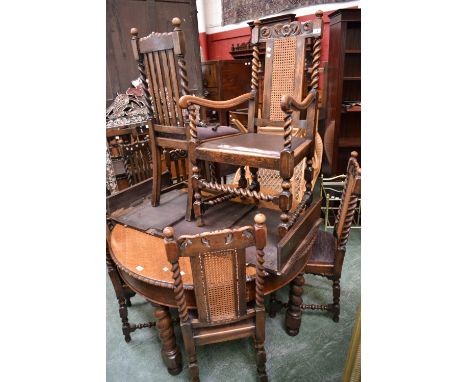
<point>170,352</point>
<point>294,312</point>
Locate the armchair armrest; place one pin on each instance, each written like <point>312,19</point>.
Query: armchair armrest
<point>187,100</point>
<point>288,102</point>
<point>288,105</point>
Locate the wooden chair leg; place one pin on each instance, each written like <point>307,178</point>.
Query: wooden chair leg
<point>254,184</point>
<point>275,305</point>
<point>197,205</point>
<point>128,293</point>
<point>190,196</point>
<point>285,203</point>
<point>294,312</point>
<point>190,349</point>
<point>336,300</point>
<point>156,193</point>
<point>308,176</point>
<point>242,180</point>
<point>170,352</point>
<point>261,360</point>
<point>119,293</point>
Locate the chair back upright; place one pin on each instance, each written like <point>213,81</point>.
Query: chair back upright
<point>349,202</point>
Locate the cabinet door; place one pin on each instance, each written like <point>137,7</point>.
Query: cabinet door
<point>147,16</point>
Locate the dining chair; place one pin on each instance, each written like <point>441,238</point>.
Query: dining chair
<point>218,262</point>
<point>163,75</point>
<point>285,74</point>
<point>328,253</point>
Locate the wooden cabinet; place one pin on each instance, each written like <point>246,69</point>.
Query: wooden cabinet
<point>148,16</point>
<point>344,87</point>
<point>223,80</point>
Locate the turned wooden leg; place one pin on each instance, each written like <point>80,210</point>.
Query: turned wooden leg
<point>197,205</point>
<point>308,176</point>
<point>254,184</point>
<point>193,368</point>
<point>261,360</point>
<point>275,305</point>
<point>119,293</point>
<point>285,203</point>
<point>336,300</point>
<point>170,352</point>
<point>190,196</point>
<point>128,293</point>
<point>294,312</point>
<point>242,180</point>
<point>212,168</point>
<point>157,174</point>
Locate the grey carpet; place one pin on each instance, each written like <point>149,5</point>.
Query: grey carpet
<point>317,353</point>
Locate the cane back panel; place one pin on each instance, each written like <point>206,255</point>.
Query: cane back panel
<point>218,268</point>
<point>285,63</point>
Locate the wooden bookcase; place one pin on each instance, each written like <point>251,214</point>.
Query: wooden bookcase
<point>344,87</point>
<point>223,80</point>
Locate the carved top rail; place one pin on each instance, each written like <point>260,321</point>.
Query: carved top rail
<point>190,245</point>
<point>295,28</point>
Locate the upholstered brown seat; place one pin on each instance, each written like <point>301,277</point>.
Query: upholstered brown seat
<point>265,147</point>
<point>208,132</point>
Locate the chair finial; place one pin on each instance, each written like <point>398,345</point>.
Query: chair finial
<point>260,219</point>
<point>176,22</point>
<point>134,32</point>
<point>319,13</point>
<point>168,232</point>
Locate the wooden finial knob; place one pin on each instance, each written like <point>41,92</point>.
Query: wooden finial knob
<point>257,23</point>
<point>176,22</point>
<point>134,32</point>
<point>195,169</point>
<point>260,219</point>
<point>168,232</point>
<point>319,13</point>
<point>354,154</point>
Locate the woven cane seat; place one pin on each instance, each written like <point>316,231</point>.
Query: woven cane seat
<point>251,144</point>
<point>323,251</point>
<point>144,256</point>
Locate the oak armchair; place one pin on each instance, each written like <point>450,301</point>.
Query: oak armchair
<point>285,74</point>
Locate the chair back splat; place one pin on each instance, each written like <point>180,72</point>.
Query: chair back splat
<point>218,265</point>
